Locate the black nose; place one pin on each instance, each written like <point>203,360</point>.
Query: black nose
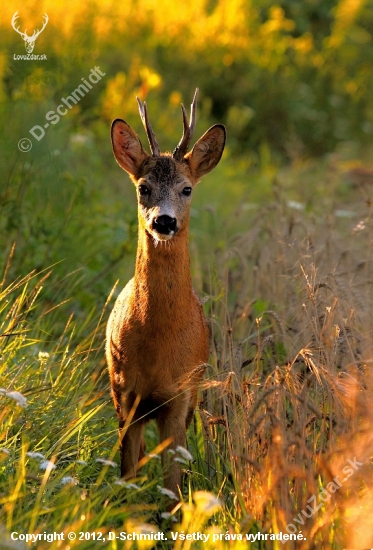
<point>164,225</point>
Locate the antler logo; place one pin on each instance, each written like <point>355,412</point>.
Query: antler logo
<point>29,40</point>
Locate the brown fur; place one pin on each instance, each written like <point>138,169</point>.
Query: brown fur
<point>157,335</point>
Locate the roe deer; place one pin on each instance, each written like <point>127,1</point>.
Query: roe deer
<point>157,335</point>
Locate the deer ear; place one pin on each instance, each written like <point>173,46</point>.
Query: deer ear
<point>207,152</point>
<point>127,148</point>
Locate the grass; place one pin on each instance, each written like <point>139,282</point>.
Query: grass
<point>283,408</point>
<point>293,364</point>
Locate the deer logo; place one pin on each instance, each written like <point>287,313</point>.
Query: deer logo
<point>29,40</point>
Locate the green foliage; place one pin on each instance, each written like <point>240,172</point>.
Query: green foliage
<point>288,80</point>
<point>291,75</point>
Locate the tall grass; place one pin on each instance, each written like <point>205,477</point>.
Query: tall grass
<point>284,405</point>
<point>291,375</point>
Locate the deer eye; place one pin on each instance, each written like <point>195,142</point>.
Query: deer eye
<point>187,191</point>
<point>143,190</point>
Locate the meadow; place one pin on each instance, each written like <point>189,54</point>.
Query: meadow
<point>281,241</point>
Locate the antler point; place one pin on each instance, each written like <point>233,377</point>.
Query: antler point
<point>182,146</point>
<point>149,132</point>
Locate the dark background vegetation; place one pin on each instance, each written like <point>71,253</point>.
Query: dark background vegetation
<point>291,81</point>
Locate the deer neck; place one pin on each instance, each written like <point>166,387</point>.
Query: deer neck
<point>162,273</point>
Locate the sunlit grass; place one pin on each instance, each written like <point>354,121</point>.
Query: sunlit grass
<point>283,407</point>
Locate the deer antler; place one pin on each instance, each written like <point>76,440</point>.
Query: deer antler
<point>149,132</point>
<point>24,34</point>
<point>36,33</point>
<point>14,19</point>
<point>182,147</point>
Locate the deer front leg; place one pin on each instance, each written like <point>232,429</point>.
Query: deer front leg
<point>132,447</point>
<point>172,424</point>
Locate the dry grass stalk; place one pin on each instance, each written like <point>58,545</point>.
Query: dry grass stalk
<point>292,396</point>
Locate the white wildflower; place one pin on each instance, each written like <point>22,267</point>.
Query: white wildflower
<point>206,501</point>
<point>36,455</point>
<point>82,462</point>
<point>106,462</point>
<point>68,479</point>
<point>43,356</point>
<point>296,205</point>
<point>168,515</point>
<point>122,483</point>
<point>344,213</point>
<point>143,528</point>
<point>79,139</point>
<point>153,455</point>
<point>184,452</point>
<point>18,397</point>
<point>167,492</point>
<point>181,461</point>
<point>47,464</point>
<point>5,451</point>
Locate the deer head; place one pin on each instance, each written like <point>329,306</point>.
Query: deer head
<point>29,40</point>
<point>164,182</point>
